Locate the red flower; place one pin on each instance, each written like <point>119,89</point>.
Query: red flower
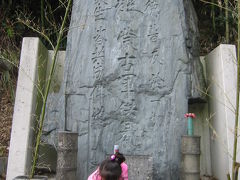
<point>192,115</point>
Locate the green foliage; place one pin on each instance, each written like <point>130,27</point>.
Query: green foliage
<point>7,83</point>
<point>223,18</point>
<point>12,30</point>
<point>46,19</point>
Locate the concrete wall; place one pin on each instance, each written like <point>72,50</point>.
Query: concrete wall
<point>34,67</point>
<point>221,74</point>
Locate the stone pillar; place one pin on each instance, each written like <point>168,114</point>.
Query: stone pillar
<point>222,78</point>
<point>28,103</point>
<point>67,156</point>
<point>191,157</point>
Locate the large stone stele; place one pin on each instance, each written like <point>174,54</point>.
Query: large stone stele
<point>128,77</point>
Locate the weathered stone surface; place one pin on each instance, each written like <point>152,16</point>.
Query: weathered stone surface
<point>143,170</point>
<point>54,116</point>
<point>190,144</point>
<point>67,156</point>
<point>128,77</point>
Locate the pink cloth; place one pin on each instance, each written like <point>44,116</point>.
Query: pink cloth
<point>124,176</point>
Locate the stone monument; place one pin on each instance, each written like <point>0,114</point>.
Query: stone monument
<point>131,68</point>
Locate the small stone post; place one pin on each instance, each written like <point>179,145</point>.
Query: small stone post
<point>190,147</point>
<point>67,156</point>
<point>191,157</point>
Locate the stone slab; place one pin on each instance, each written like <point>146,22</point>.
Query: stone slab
<point>129,73</point>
